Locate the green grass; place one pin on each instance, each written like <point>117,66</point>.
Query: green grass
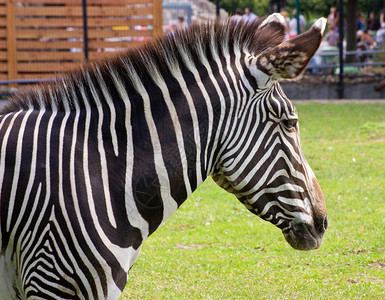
<point>213,248</point>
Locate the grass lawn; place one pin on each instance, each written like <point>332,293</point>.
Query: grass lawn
<point>213,248</point>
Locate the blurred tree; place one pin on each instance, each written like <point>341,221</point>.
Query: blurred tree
<point>351,29</point>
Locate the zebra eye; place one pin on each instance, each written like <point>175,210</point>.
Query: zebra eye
<point>290,124</point>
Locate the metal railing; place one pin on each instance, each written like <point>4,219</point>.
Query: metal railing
<point>357,53</point>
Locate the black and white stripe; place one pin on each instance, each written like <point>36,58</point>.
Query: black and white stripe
<point>94,163</point>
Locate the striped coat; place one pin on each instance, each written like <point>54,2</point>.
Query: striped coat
<point>92,164</point>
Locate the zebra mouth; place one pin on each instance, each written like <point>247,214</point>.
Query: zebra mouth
<point>303,236</point>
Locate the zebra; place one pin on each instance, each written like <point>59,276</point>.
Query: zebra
<point>94,162</point>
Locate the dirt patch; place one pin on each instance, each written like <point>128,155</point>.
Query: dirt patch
<point>192,246</point>
<point>373,280</point>
<point>378,264</point>
<point>183,227</point>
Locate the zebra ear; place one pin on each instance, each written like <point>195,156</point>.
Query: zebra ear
<point>289,59</point>
<point>270,33</point>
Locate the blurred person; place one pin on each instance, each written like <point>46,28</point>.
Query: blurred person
<point>332,37</point>
<point>238,15</point>
<point>287,30</point>
<point>373,24</point>
<point>365,42</point>
<point>366,38</point>
<point>380,35</point>
<point>293,31</point>
<point>249,16</point>
<point>286,16</point>
<point>360,21</point>
<point>333,18</point>
<point>181,24</point>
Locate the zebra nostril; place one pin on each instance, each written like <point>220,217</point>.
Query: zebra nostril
<point>325,223</point>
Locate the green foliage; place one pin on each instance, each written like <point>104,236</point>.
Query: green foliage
<point>321,8</point>
<point>260,8</point>
<point>379,57</point>
<point>313,8</point>
<point>213,248</point>
<point>367,6</point>
<point>310,8</point>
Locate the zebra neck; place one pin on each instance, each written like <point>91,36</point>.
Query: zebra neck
<point>173,149</point>
<point>159,136</point>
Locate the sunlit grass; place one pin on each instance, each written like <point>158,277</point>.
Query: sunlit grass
<point>213,248</point>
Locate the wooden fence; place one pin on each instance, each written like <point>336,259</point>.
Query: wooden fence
<point>41,38</point>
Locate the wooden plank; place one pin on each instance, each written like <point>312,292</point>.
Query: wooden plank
<point>100,34</point>
<point>78,2</point>
<point>75,22</point>
<point>48,34</point>
<point>109,22</point>
<point>114,44</point>
<point>38,75</point>
<point>96,56</point>
<point>78,11</point>
<point>11,41</point>
<point>65,45</point>
<point>39,34</point>
<point>48,55</point>
<point>20,45</point>
<point>117,2</point>
<point>77,59</point>
<point>4,69</point>
<point>103,16</point>
<point>68,21</point>
<point>45,67</point>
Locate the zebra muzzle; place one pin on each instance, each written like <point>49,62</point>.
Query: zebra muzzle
<point>305,236</point>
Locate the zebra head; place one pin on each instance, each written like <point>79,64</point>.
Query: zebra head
<point>262,163</point>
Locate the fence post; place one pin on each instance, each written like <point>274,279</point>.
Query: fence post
<point>157,18</point>
<point>11,40</point>
<point>85,29</point>
<point>341,51</point>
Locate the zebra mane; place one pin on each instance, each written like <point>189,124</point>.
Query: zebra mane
<point>138,66</point>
